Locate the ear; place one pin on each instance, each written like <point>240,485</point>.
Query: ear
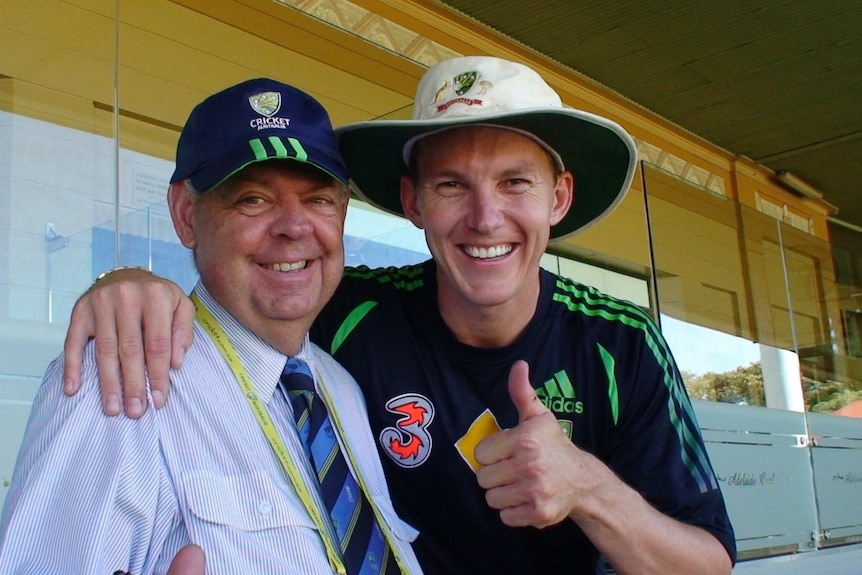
<point>564,195</point>
<point>181,205</point>
<point>410,201</point>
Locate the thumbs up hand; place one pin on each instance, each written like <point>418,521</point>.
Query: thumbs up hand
<point>530,472</point>
<point>523,395</point>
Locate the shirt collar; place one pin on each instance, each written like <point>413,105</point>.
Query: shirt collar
<point>263,363</point>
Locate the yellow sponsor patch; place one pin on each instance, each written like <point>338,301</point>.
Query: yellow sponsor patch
<point>484,425</point>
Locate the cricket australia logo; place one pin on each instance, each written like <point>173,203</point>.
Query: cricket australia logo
<point>408,443</point>
<point>463,82</point>
<point>461,85</point>
<point>267,104</point>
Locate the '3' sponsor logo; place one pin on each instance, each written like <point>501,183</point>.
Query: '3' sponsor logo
<point>408,443</point>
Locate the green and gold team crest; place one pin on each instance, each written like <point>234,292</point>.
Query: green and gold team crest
<point>265,103</point>
<point>463,82</point>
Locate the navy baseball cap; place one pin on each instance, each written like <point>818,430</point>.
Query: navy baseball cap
<point>255,121</point>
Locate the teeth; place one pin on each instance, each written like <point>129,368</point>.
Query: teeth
<point>287,267</point>
<point>485,253</point>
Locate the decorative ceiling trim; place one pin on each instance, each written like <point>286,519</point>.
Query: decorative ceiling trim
<point>374,28</point>
<point>395,38</point>
<point>682,169</point>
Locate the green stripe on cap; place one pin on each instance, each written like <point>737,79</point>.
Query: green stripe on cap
<point>281,150</point>
<point>258,149</point>
<point>301,154</point>
<point>279,147</point>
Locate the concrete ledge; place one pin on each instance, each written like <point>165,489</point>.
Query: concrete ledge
<point>846,560</point>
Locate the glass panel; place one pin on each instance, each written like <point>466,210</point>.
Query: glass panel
<point>837,460</point>
<point>613,283</point>
<point>613,255</point>
<point>703,289</point>
<point>761,463</point>
<point>377,239</point>
<point>821,284</point>
<point>832,358</point>
<point>721,288</point>
<point>57,158</point>
<point>809,278</point>
<point>695,239</point>
<point>716,366</point>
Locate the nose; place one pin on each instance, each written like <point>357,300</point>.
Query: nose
<point>486,213</point>
<point>291,219</point>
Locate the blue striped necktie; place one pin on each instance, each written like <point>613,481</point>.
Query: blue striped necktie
<point>362,544</point>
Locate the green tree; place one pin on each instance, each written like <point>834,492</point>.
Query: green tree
<point>743,385</point>
<point>828,396</point>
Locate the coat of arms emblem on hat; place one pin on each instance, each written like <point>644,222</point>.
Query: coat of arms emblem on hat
<point>265,103</point>
<point>463,82</point>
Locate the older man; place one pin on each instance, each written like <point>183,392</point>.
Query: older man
<point>264,458</point>
<point>491,167</point>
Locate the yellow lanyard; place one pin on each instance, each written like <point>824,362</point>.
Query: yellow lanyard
<point>219,338</point>
<point>221,341</point>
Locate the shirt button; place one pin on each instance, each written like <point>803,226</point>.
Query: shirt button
<point>265,508</point>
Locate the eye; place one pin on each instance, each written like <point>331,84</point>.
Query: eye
<point>327,200</point>
<point>320,200</point>
<point>448,187</point>
<point>517,185</point>
<point>250,203</point>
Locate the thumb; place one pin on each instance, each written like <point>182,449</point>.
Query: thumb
<point>189,560</point>
<point>522,393</point>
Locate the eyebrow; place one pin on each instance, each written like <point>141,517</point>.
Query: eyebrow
<point>507,172</point>
<point>522,169</point>
<point>315,183</point>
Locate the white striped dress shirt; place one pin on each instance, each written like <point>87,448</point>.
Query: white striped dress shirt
<point>96,494</point>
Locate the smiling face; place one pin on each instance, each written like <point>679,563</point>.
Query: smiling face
<point>486,198</point>
<point>268,245</point>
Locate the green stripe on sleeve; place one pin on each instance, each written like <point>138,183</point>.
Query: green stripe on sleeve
<point>613,393</point>
<point>592,303</point>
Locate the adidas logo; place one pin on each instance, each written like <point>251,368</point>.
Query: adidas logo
<point>558,395</point>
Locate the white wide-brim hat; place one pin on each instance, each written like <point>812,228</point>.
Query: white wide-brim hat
<point>482,90</point>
